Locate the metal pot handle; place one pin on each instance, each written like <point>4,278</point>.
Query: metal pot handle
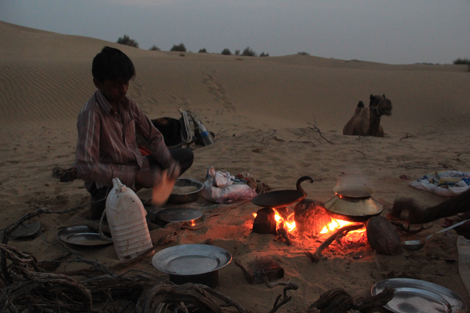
<point>300,180</point>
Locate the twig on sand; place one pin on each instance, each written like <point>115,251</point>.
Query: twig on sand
<point>379,267</point>
<point>338,234</point>
<point>361,152</point>
<point>314,127</point>
<point>406,136</point>
<point>7,234</point>
<point>285,298</point>
<point>339,301</point>
<point>142,292</point>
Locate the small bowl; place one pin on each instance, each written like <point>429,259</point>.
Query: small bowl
<point>178,198</point>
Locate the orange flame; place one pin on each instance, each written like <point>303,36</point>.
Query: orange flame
<point>354,235</point>
<point>288,223</point>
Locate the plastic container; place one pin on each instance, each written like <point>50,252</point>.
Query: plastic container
<point>127,223</point>
<point>205,135</point>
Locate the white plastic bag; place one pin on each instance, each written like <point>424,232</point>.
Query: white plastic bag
<point>226,194</point>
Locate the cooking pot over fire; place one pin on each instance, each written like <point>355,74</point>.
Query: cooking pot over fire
<point>353,203</point>
<point>282,198</point>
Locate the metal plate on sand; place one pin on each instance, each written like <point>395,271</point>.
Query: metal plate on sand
<point>179,215</point>
<point>191,259</point>
<point>418,296</point>
<point>81,236</point>
<point>24,230</point>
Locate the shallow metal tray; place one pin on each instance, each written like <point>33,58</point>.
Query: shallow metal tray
<point>179,215</point>
<point>419,296</point>
<point>191,259</point>
<point>81,236</point>
<point>23,231</point>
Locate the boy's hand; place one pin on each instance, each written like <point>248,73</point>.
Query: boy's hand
<point>173,172</point>
<point>148,178</point>
<point>403,206</point>
<point>163,188</point>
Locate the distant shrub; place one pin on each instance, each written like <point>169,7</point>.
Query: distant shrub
<point>264,54</point>
<point>462,61</point>
<point>125,40</point>
<point>179,47</point>
<point>303,53</point>
<point>154,48</point>
<point>203,50</point>
<point>237,52</point>
<point>226,52</point>
<point>248,52</point>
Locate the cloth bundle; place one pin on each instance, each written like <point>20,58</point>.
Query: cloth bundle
<point>445,184</point>
<point>223,187</point>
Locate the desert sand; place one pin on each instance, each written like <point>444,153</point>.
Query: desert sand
<point>278,118</point>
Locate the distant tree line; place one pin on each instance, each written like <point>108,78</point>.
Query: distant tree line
<point>462,61</point>
<point>126,40</point>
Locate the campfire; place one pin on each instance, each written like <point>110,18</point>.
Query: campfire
<point>309,218</point>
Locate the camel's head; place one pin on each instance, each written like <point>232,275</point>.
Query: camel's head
<point>380,105</point>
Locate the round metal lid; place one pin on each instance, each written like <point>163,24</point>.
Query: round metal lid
<point>179,215</point>
<point>353,191</point>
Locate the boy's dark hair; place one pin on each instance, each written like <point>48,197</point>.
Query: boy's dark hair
<point>112,64</point>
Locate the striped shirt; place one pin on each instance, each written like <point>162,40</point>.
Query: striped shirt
<point>107,146</point>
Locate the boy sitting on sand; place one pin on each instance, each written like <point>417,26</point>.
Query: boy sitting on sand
<point>107,128</point>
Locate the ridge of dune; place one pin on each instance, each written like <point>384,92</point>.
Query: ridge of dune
<point>47,76</point>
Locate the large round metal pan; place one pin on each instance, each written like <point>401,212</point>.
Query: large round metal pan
<point>195,263</point>
<point>412,295</point>
<point>24,230</point>
<point>81,236</point>
<point>353,209</point>
<point>185,197</point>
<point>282,198</point>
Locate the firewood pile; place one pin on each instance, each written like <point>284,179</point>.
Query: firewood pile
<point>29,285</point>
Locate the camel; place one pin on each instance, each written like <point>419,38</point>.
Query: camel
<point>366,121</point>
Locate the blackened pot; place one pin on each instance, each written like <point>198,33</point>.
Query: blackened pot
<point>282,198</point>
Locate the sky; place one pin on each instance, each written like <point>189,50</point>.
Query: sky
<point>384,31</point>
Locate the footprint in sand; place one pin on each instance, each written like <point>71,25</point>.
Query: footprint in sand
<point>216,90</point>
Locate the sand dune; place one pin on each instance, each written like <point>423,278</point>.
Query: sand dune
<point>278,118</point>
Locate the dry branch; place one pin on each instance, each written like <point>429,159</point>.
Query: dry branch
<point>314,127</point>
<point>339,301</point>
<point>338,234</point>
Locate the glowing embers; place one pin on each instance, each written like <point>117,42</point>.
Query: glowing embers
<point>314,223</point>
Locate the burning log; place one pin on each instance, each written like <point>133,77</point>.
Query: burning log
<point>281,232</point>
<point>338,234</point>
<point>265,223</point>
<point>339,301</point>
<point>311,216</point>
